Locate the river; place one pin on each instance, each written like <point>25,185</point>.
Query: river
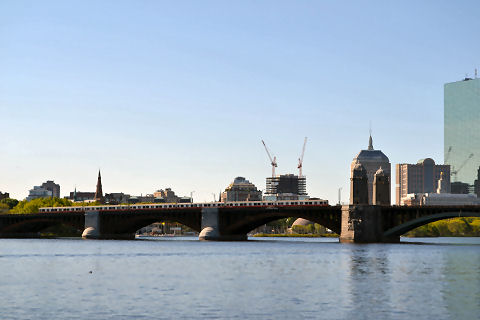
<point>264,278</point>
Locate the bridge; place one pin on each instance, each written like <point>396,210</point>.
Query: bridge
<point>354,223</point>
<point>377,223</point>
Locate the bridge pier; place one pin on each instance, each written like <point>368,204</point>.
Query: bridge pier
<point>363,224</point>
<point>93,228</point>
<point>211,227</point>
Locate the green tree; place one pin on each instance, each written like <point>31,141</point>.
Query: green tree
<point>4,208</point>
<point>457,227</point>
<point>9,202</point>
<point>299,229</point>
<point>32,206</point>
<point>290,221</point>
<point>475,225</point>
<point>319,229</point>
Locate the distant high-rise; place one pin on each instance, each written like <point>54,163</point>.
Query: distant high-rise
<point>53,187</point>
<point>46,190</point>
<point>461,128</point>
<point>421,177</point>
<point>99,192</point>
<point>38,192</point>
<point>372,160</point>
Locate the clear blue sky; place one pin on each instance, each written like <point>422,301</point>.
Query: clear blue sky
<point>179,94</point>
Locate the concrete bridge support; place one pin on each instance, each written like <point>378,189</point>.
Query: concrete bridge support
<point>363,224</point>
<point>212,227</point>
<point>93,228</point>
<point>92,225</point>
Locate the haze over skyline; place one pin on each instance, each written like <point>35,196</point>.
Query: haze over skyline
<point>169,94</point>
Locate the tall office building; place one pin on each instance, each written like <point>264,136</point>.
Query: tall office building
<point>461,129</point>
<point>371,160</point>
<point>421,177</point>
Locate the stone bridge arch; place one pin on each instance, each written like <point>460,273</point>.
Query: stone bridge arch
<point>241,221</point>
<point>398,230</point>
<point>29,225</point>
<point>123,225</point>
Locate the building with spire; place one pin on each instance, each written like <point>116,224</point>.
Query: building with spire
<point>372,160</point>
<point>99,192</point>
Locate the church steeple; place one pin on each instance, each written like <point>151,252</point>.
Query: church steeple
<point>99,192</point>
<point>370,143</point>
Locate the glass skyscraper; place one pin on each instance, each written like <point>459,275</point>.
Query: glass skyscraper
<point>462,129</point>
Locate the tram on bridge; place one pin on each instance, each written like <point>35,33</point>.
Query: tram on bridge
<point>280,203</point>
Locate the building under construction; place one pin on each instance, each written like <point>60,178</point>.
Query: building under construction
<point>286,187</point>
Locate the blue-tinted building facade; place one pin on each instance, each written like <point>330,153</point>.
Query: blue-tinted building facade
<point>462,128</point>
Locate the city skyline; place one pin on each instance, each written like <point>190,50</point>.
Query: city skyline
<point>182,96</point>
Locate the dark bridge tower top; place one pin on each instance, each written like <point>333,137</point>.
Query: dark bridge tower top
<point>99,192</point>
<point>359,185</point>
<point>381,188</point>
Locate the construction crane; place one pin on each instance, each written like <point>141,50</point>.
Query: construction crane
<point>273,161</point>
<point>455,172</point>
<point>300,160</point>
<point>447,155</point>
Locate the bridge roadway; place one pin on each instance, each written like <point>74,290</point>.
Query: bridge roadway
<point>354,223</point>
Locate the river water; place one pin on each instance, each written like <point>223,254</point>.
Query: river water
<point>265,278</point>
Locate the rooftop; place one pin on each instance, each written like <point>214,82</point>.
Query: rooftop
<point>370,154</point>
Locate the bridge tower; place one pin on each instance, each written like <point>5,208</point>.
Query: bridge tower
<point>359,185</point>
<point>381,188</point>
<point>362,222</point>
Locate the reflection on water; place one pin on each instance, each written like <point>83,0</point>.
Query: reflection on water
<point>460,288</point>
<point>261,279</point>
<point>369,281</point>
